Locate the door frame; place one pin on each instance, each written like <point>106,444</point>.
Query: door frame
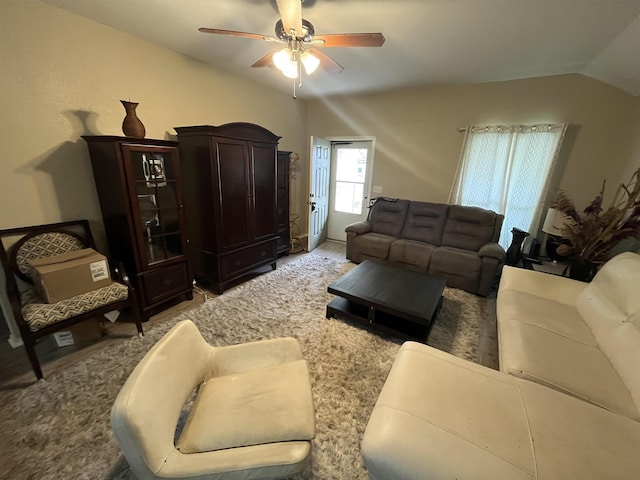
<point>370,162</point>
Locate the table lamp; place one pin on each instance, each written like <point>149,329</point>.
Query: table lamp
<point>553,226</point>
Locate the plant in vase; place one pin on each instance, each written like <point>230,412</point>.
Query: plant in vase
<point>594,232</point>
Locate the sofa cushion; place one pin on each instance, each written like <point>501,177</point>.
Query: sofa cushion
<point>425,222</point>
<point>460,267</point>
<point>543,285</point>
<point>266,405</point>
<point>387,216</point>
<point>411,254</point>
<point>573,439</point>
<point>537,354</point>
<point>469,228</point>
<point>544,313</point>
<point>372,246</point>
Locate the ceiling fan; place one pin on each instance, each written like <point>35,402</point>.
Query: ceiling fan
<point>302,43</point>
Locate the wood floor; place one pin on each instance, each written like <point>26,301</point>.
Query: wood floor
<point>16,372</point>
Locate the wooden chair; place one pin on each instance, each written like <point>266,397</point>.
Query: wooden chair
<point>37,319</point>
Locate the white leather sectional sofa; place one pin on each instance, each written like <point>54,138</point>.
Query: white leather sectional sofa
<point>565,405</point>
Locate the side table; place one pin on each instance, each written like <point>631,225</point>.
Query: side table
<point>546,265</point>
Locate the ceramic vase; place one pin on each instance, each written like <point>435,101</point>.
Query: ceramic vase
<point>514,252</point>
<point>131,125</point>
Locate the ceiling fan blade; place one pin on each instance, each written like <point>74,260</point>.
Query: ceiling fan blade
<point>291,15</point>
<point>326,62</point>
<point>265,61</point>
<point>234,33</point>
<point>349,40</point>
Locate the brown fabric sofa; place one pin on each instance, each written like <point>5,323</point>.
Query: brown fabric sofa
<point>452,241</point>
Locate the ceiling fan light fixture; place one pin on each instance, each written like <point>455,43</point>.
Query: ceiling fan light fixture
<point>285,61</point>
<point>310,62</point>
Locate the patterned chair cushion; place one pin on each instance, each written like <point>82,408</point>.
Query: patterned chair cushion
<point>45,245</point>
<point>39,314</point>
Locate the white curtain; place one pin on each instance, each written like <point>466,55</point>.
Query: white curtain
<point>507,169</point>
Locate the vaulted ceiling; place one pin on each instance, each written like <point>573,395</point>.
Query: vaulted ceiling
<point>428,42</point>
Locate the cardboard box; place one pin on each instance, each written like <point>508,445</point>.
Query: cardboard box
<point>64,276</point>
<point>86,331</point>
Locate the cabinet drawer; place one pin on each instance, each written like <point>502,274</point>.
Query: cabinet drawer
<point>247,259</point>
<point>165,282</point>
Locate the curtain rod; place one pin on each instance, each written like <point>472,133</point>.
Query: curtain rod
<point>549,125</point>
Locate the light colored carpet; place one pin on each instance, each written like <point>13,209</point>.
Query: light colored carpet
<point>59,428</point>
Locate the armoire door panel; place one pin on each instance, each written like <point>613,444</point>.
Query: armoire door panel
<point>233,186</point>
<point>264,190</point>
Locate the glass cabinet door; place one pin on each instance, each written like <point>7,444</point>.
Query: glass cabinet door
<point>157,202</point>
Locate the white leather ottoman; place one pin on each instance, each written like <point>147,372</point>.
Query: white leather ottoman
<point>441,417</point>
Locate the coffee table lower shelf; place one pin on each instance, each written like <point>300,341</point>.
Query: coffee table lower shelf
<point>378,320</point>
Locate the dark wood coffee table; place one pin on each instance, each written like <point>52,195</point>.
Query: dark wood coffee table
<point>399,302</point>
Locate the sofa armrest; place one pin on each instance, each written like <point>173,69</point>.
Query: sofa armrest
<point>358,228</point>
<point>493,250</point>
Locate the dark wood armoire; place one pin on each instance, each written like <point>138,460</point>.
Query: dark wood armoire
<point>230,194</point>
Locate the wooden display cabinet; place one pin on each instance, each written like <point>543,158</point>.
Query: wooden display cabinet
<point>140,192</point>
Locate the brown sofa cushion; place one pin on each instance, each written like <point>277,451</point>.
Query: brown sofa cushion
<point>387,216</point>
<point>461,268</point>
<point>425,222</point>
<point>469,228</point>
<point>411,254</point>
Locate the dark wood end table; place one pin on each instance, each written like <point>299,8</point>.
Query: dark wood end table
<point>398,302</point>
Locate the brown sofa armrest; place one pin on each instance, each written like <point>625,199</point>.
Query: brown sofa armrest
<point>358,228</point>
<point>493,250</point>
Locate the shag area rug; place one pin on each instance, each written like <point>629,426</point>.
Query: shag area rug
<point>59,428</point>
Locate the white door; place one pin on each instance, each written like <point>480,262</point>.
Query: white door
<point>319,194</point>
<point>349,191</point>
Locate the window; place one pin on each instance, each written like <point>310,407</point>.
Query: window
<point>507,169</point>
<point>351,165</point>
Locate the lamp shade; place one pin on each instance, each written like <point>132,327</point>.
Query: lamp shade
<point>555,222</point>
<point>310,62</point>
<point>286,63</point>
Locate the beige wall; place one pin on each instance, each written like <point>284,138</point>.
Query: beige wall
<point>63,76</point>
<point>418,145</point>
<point>634,157</point>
